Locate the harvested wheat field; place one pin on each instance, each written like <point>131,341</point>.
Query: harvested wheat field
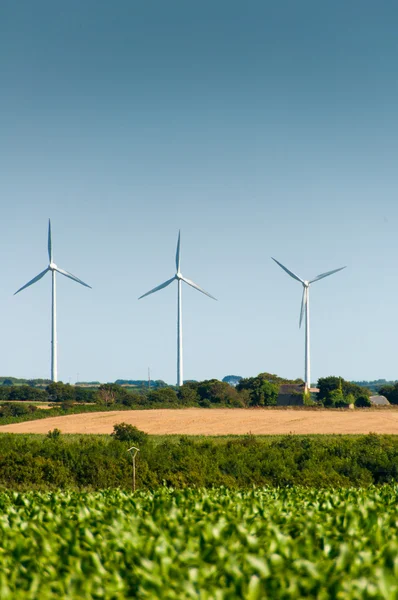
<point>201,421</point>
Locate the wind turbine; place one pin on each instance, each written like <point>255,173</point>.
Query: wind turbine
<point>54,269</point>
<point>305,308</point>
<point>179,278</point>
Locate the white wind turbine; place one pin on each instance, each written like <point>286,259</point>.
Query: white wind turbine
<point>54,269</point>
<point>305,308</point>
<point>179,278</point>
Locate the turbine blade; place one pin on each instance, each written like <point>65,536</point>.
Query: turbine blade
<point>303,304</point>
<point>178,252</point>
<point>73,277</point>
<point>287,270</point>
<point>39,276</point>
<point>322,275</point>
<point>194,285</point>
<point>159,287</point>
<point>50,248</point>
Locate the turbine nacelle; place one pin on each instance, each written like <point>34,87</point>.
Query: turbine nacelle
<point>178,277</point>
<point>52,267</point>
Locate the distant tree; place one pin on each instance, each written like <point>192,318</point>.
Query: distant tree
<point>84,395</point>
<point>13,409</point>
<point>213,391</point>
<point>188,395</point>
<point>328,384</point>
<point>355,390</point>
<point>109,393</point>
<point>125,432</point>
<point>8,381</point>
<point>26,392</point>
<point>5,392</point>
<point>132,399</point>
<point>390,392</point>
<point>332,397</point>
<point>60,392</point>
<point>363,402</point>
<point>232,379</point>
<point>263,392</point>
<point>106,394</point>
<point>162,395</point>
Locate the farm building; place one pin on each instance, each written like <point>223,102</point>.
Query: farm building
<point>291,394</point>
<point>379,401</point>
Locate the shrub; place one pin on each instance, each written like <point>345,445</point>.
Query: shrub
<point>389,391</point>
<point>166,395</point>
<point>12,409</point>
<point>54,434</point>
<point>363,402</point>
<point>131,399</point>
<point>124,432</point>
<point>262,391</point>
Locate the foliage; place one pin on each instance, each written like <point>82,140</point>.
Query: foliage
<point>162,395</point>
<point>124,432</point>
<point>84,395</point>
<point>60,392</point>
<point>109,393</point>
<point>18,381</point>
<point>213,544</point>
<point>336,399</point>
<point>141,383</point>
<point>98,462</point>
<point>328,386</point>
<point>188,396</point>
<point>263,389</point>
<point>232,379</point>
<point>212,392</point>
<point>54,434</point>
<point>390,392</point>
<point>132,400</point>
<point>13,409</point>
<point>363,402</point>
<point>22,392</point>
<point>375,385</point>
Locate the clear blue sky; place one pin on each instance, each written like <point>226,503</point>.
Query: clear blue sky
<point>259,128</point>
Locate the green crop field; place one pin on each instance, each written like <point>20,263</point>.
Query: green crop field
<point>204,544</point>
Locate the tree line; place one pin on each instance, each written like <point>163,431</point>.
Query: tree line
<point>261,391</point>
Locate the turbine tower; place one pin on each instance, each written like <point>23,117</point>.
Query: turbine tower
<point>54,269</point>
<point>305,308</point>
<point>179,278</point>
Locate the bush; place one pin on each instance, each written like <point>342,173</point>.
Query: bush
<point>330,384</point>
<point>124,432</point>
<point>54,434</point>
<point>363,402</point>
<point>132,399</point>
<point>166,395</point>
<point>262,392</point>
<point>60,392</point>
<point>12,409</point>
<point>389,391</point>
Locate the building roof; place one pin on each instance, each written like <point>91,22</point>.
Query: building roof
<point>379,401</point>
<point>290,388</point>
